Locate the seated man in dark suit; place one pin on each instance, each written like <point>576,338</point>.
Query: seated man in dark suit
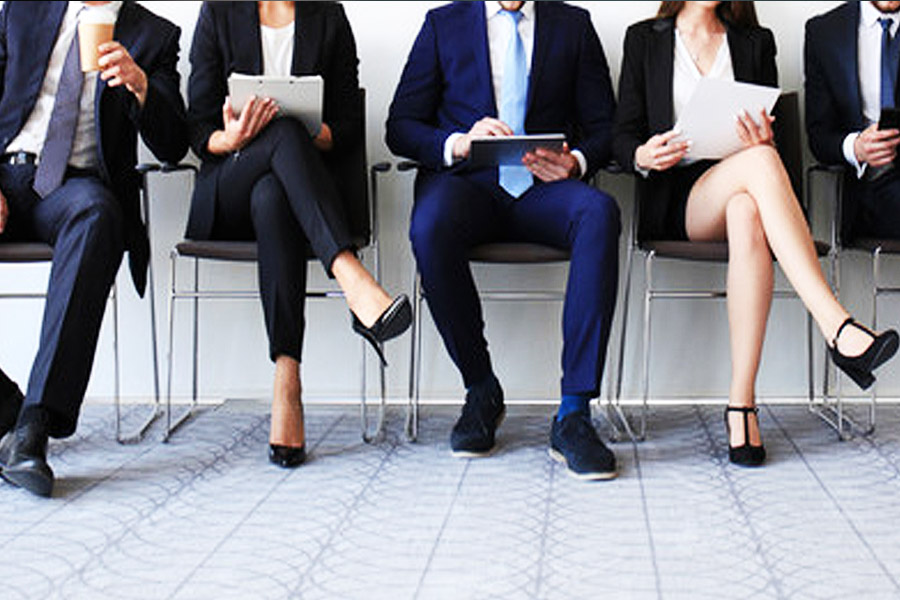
<point>68,148</point>
<point>496,69</point>
<point>851,65</point>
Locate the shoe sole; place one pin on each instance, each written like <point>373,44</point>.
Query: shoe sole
<point>595,476</point>
<point>486,453</point>
<point>36,483</point>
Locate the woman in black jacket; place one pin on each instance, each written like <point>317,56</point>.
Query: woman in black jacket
<point>745,198</point>
<point>265,178</point>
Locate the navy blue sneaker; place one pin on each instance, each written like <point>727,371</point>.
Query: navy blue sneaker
<point>473,434</point>
<point>574,442</point>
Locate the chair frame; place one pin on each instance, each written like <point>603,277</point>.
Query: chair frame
<point>37,252</point>
<point>196,294</point>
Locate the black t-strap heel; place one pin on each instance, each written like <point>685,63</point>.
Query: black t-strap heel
<point>859,368</point>
<point>745,455</point>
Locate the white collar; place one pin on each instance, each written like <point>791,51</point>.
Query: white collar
<point>869,16</point>
<point>492,9</point>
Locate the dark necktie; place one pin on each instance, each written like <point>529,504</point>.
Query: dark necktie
<point>890,60</point>
<point>61,131</point>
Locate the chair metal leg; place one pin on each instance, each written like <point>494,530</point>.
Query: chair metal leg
<point>415,362</point>
<point>172,425</point>
<point>619,421</point>
<point>378,433</point>
<point>648,298</point>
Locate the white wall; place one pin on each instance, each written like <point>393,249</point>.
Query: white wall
<point>691,345</point>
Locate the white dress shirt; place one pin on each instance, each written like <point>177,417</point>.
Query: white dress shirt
<point>498,34</point>
<point>868,43</point>
<point>31,137</point>
<point>277,49</point>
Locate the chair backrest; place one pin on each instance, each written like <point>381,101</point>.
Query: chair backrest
<point>349,172</point>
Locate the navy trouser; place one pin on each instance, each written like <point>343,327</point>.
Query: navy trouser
<point>83,222</point>
<point>451,214</point>
<point>278,192</point>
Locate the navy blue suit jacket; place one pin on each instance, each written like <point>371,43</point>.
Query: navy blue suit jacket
<point>446,84</point>
<point>833,102</point>
<point>27,34</point>
<point>227,40</point>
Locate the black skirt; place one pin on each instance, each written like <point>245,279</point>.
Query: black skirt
<point>663,199</point>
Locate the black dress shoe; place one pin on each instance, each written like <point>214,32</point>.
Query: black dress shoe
<point>745,455</point>
<point>9,410</point>
<point>473,435</point>
<point>393,321</point>
<point>859,368</point>
<point>287,457</point>
<point>23,458</point>
<point>574,442</point>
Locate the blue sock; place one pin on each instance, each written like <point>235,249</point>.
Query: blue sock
<point>571,403</point>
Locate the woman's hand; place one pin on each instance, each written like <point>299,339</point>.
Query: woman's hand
<point>240,131</point>
<point>753,133</point>
<point>548,165</point>
<point>661,152</point>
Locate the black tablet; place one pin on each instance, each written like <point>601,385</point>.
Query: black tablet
<point>509,150</point>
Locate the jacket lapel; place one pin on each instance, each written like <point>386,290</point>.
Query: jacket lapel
<point>661,67</point>
<point>478,24</point>
<point>244,29</point>
<point>308,27</point>
<point>543,30</point>
<point>51,13</point>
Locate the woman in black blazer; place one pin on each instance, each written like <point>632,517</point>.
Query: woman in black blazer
<point>745,199</point>
<point>264,178</point>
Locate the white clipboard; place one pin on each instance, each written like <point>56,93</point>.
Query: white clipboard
<point>298,97</point>
<point>708,120</point>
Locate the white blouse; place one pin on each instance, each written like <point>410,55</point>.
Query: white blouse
<point>686,75</point>
<point>277,49</point>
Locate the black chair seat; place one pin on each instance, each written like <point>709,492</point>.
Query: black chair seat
<point>233,251</point>
<point>25,252</point>
<point>870,245</point>
<point>517,252</point>
<point>704,251</point>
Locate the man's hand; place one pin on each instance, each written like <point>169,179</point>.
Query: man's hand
<point>660,152</point>
<point>487,126</point>
<point>239,131</point>
<point>118,68</point>
<point>4,212</point>
<point>876,147</point>
<point>549,165</point>
<point>753,134</point>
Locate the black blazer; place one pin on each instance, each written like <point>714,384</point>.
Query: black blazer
<point>227,40</point>
<point>27,33</point>
<point>646,105</point>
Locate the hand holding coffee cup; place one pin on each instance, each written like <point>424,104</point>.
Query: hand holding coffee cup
<point>118,68</point>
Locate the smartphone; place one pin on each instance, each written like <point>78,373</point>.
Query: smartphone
<point>889,119</point>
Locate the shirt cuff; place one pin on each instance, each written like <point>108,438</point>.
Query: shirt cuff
<point>850,154</point>
<point>582,162</point>
<point>449,161</point>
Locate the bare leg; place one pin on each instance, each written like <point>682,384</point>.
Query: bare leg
<point>365,297</point>
<point>287,408</point>
<point>758,172</point>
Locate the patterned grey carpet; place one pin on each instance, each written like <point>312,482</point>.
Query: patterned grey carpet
<point>206,516</point>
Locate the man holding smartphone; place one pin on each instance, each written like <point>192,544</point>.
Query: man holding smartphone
<point>851,63</point>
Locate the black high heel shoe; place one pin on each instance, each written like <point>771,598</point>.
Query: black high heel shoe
<point>859,368</point>
<point>287,457</point>
<point>393,321</point>
<point>745,455</point>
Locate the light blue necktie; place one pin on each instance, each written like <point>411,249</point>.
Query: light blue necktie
<point>513,96</point>
<point>890,60</point>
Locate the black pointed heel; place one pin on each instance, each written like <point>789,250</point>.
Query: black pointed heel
<point>859,368</point>
<point>287,457</point>
<point>745,455</point>
<point>392,322</point>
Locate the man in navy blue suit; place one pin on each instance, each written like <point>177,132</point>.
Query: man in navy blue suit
<point>851,64</point>
<point>68,150</point>
<point>497,69</point>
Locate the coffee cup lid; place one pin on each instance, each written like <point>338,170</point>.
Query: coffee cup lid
<point>96,15</point>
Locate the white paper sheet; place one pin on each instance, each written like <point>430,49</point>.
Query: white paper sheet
<point>709,119</point>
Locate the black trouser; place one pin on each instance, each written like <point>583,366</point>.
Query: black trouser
<point>83,222</point>
<point>878,205</point>
<point>278,191</point>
